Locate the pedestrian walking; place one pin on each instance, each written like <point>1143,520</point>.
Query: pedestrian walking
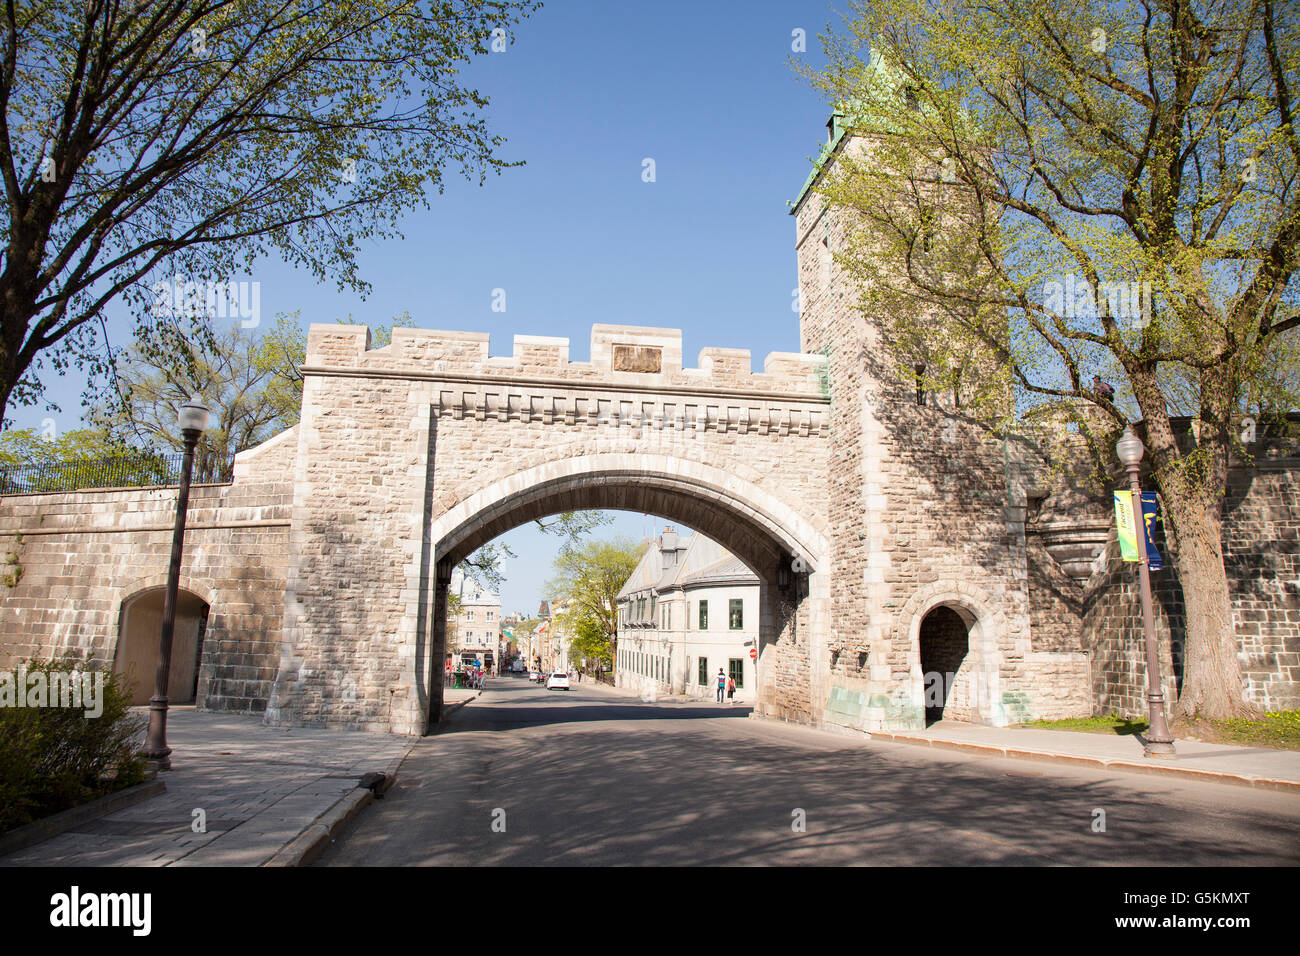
<point>722,684</point>
<point>731,690</point>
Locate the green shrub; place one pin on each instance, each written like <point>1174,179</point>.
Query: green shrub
<point>54,758</point>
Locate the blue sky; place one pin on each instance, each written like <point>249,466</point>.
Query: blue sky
<point>586,93</point>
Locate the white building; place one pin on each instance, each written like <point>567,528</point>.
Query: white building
<point>689,608</point>
<point>474,635</point>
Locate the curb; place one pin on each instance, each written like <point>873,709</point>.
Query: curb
<point>38,831</point>
<point>1205,776</point>
<point>307,846</point>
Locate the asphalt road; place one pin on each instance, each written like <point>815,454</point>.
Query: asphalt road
<point>525,776</point>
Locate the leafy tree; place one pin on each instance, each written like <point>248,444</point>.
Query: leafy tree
<point>85,458</point>
<point>591,641</point>
<point>1015,151</point>
<point>454,605</point>
<point>588,578</point>
<point>181,138</point>
<point>486,564</point>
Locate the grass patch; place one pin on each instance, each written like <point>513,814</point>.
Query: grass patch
<point>1279,729</point>
<point>1110,724</point>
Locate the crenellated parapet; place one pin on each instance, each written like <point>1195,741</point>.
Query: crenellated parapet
<point>622,356</point>
<point>634,380</point>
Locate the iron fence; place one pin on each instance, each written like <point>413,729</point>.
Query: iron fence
<point>120,471</point>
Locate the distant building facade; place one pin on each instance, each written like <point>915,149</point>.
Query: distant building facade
<point>477,637</point>
<point>689,610</point>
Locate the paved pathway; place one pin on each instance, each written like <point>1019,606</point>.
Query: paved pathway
<point>523,776</point>
<point>1263,767</point>
<point>259,787</point>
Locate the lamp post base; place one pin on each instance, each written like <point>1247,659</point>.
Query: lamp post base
<point>155,748</point>
<point>1158,742</point>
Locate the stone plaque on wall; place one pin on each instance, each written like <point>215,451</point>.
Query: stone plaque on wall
<point>638,358</point>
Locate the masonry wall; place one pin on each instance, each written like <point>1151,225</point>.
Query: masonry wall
<point>1261,538</point>
<point>84,554</point>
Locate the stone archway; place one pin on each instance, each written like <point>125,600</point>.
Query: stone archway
<point>944,643</point>
<point>136,654</point>
<point>764,532</point>
<point>975,692</point>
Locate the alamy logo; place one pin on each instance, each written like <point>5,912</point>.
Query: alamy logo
<point>75,909</point>
<point>182,298</point>
<point>74,689</point>
<point>1076,298</point>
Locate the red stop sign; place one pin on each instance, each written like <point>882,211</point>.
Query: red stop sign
<point>753,653</point>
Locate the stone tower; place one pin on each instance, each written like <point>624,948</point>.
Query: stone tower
<point>927,520</point>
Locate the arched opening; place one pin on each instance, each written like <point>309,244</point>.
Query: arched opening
<point>759,530</point>
<point>944,645</point>
<point>139,629</point>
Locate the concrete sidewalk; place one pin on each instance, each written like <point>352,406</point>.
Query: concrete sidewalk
<point>1262,767</point>
<point>263,790</point>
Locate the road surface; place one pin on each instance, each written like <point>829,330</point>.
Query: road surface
<point>526,776</point>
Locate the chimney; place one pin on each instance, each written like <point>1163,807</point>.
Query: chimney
<point>668,540</point>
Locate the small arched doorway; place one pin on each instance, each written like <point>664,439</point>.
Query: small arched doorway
<point>139,629</point>
<point>945,643</point>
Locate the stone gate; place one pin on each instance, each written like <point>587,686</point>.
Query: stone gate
<point>411,456</point>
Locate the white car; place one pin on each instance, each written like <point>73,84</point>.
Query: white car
<point>558,681</point>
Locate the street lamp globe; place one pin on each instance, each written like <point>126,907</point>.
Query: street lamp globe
<point>1129,447</point>
<point>193,416</point>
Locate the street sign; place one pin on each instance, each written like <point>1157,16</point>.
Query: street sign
<point>753,653</point>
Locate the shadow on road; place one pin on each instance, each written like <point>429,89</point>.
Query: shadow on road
<point>622,782</point>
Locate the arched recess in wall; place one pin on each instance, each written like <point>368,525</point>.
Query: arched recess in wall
<point>939,613</point>
<point>944,643</point>
<point>139,631</point>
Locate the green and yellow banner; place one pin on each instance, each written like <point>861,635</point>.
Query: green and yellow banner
<point>1128,533</point>
<point>1128,547</point>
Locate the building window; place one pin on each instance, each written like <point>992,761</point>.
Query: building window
<point>737,614</point>
<point>704,616</point>
<point>703,673</point>
<point>736,671</point>
<point>489,615</point>
<point>469,615</point>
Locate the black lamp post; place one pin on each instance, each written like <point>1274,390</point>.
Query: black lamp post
<point>1159,742</point>
<point>193,418</point>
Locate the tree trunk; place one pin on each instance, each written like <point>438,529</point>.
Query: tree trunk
<point>1212,684</point>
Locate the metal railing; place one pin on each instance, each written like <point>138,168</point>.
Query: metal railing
<point>119,471</point>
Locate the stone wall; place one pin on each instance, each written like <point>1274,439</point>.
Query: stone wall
<point>1261,538</point>
<point>84,554</point>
